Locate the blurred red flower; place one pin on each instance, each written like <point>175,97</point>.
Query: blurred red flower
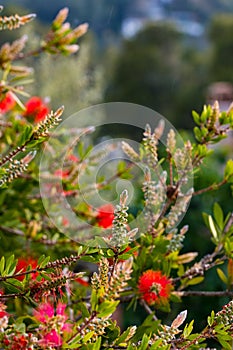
<point>62,173</point>
<point>7,103</point>
<point>22,265</point>
<point>73,158</point>
<point>154,287</point>
<point>36,109</point>
<point>105,215</point>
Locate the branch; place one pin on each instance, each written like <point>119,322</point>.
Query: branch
<point>148,309</point>
<point>212,187</point>
<point>199,268</point>
<point>53,264</point>
<point>224,293</point>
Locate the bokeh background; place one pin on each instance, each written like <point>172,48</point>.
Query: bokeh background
<point>170,55</point>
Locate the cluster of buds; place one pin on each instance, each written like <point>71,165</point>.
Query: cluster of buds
<point>176,239</point>
<point>178,208</point>
<point>150,143</point>
<point>49,122</point>
<point>96,326</point>
<point>16,168</point>
<point>171,142</point>
<point>61,38</point>
<point>154,192</point>
<point>46,288</point>
<point>212,124</point>
<point>155,197</point>
<point>118,281</point>
<point>10,52</point>
<point>167,334</point>
<point>112,285</point>
<point>130,152</point>
<point>120,235</point>
<point>225,316</point>
<point>14,21</point>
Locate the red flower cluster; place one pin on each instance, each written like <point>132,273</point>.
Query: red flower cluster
<point>3,313</point>
<point>154,287</point>
<point>105,216</point>
<point>7,103</point>
<point>22,266</point>
<point>19,341</point>
<point>36,109</point>
<point>47,316</point>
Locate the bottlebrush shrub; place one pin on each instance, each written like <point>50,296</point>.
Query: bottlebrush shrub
<point>44,304</point>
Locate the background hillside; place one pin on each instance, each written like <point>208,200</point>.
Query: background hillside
<point>106,17</point>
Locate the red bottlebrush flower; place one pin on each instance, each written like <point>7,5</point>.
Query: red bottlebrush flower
<point>105,215</point>
<point>154,287</point>
<point>22,265</point>
<point>51,339</point>
<point>7,103</point>
<point>45,311</point>
<point>45,314</point>
<point>36,109</point>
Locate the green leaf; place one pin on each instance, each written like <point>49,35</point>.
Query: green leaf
<point>20,327</point>
<point>222,276</point>
<point>110,253</point>
<point>144,343</point>
<point>11,288</point>
<point>123,336</point>
<point>197,133</point>
<point>88,336</point>
<point>210,319</point>
<point>196,117</point>
<point>16,282</point>
<point>195,280</point>
<point>97,344</point>
<point>188,329</point>
<point>44,262</point>
<point>94,299</point>
<point>25,136</point>
<point>156,345</point>
<point>2,265</point>
<point>74,344</point>
<point>10,261</point>
<point>84,310</point>
<point>213,228</point>
<point>228,172</point>
<point>107,308</point>
<point>41,258</point>
<point>218,215</point>
<point>46,277</point>
<point>130,347</point>
<point>225,344</point>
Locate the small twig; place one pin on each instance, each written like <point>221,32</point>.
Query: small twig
<point>210,188</point>
<point>224,293</point>
<point>53,264</point>
<point>86,323</point>
<point>148,309</point>
<point>200,267</point>
<point>12,230</point>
